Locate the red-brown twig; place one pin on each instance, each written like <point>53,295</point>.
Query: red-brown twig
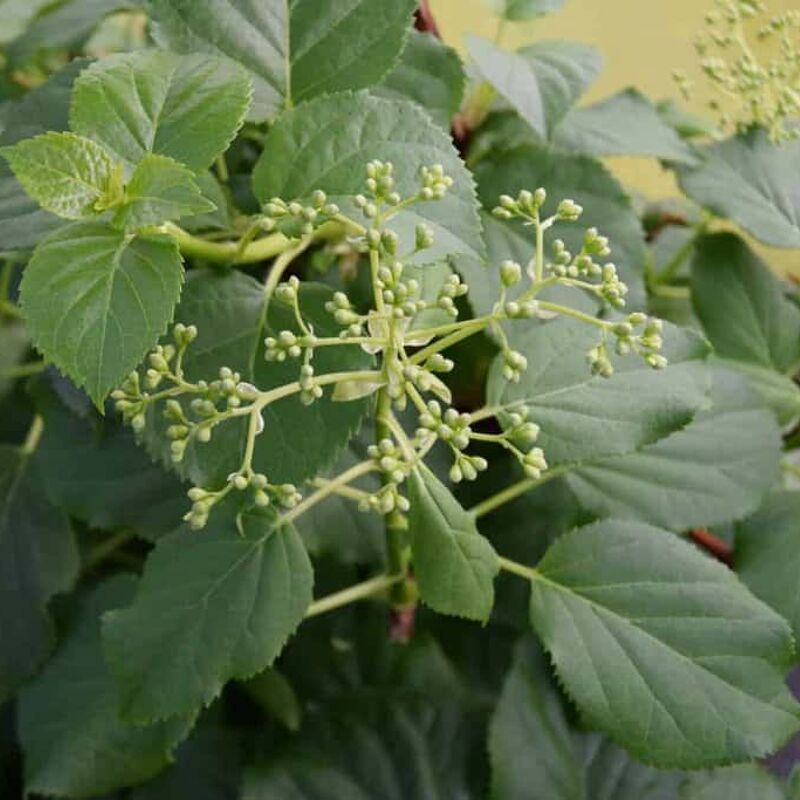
<point>425,21</point>
<point>713,545</point>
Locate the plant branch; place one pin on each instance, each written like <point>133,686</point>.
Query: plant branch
<point>513,492</point>
<point>34,436</point>
<point>361,591</point>
<point>529,573</point>
<point>23,370</point>
<point>98,554</point>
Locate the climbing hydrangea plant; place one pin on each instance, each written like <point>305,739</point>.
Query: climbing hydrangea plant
<point>366,440</point>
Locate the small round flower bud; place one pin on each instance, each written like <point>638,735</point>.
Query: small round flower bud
<point>510,273</point>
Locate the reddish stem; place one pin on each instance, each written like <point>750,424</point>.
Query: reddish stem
<point>425,21</point>
<point>713,545</point>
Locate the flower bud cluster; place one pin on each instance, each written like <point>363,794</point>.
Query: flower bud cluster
<point>435,183</point>
<point>527,205</point>
<point>394,467</point>
<point>755,85</point>
<point>647,343</point>
<point>452,289</point>
<point>308,216</point>
<point>345,315</point>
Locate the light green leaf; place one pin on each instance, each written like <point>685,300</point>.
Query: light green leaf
<point>255,35</point>
<point>187,107</point>
<point>768,554</point>
<point>96,473</point>
<point>75,744</point>
<point>220,217</point>
<point>513,77</point>
<point>115,294</point>
<point>626,124</point>
<point>46,108</point>
<point>662,648</point>
<point>535,756</point>
<point>327,143</point>
<point>38,559</point>
<point>209,608</point>
<point>542,81</point>
<point>521,10</point>
<point>349,44</point>
<point>68,175</point>
<point>588,183</point>
<point>160,190</point>
<point>750,180</point>
<point>743,782</point>
<point>742,305</point>
<point>454,565</point>
<point>431,74</point>
<point>715,470</point>
<point>585,417</point>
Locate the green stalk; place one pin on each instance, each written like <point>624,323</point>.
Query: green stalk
<point>360,591</point>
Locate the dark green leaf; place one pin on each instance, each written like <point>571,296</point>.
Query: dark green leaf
<point>626,124</point>
<point>74,741</point>
<point>585,417</point>
<point>431,74</point>
<point>186,107</point>
<point>742,306</point>
<point>454,565</point>
<point>346,131</point>
<point>344,45</point>
<point>662,647</point>
<point>96,472</point>
<point>38,559</point>
<point>715,470</point>
<point>273,692</point>
<point>115,294</point>
<point>210,607</point>
<point>750,180</point>
<point>160,190</point>
<point>768,554</point>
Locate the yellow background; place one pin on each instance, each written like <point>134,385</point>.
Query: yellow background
<point>642,42</point>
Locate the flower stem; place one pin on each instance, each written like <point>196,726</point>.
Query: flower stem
<point>529,573</point>
<point>513,492</point>
<point>34,436</point>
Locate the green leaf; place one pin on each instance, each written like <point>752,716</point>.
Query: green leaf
<point>717,469</point>
<point>46,108</point>
<point>533,753</point>
<point>74,741</point>
<point>299,441</point>
<point>254,35</point>
<point>96,473</point>
<point>662,648</point>
<point>743,782</point>
<point>742,305</point>
<point>768,555</point>
<point>116,295</point>
<point>779,392</point>
<point>17,15</point>
<point>542,81</point>
<point>585,417</point>
<point>275,695</point>
<point>536,756</point>
<point>207,767</point>
<point>431,74</point>
<point>292,50</point>
<point>220,217</point>
<point>186,107</point>
<point>623,125</point>
<point>38,559</point>
<point>68,175</point>
<point>160,190</point>
<point>64,26</point>
<point>326,144</point>
<point>588,183</point>
<point>750,180</point>
<point>454,565</point>
<point>521,10</point>
<point>14,344</point>
<point>209,608</point>
<point>344,45</point>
